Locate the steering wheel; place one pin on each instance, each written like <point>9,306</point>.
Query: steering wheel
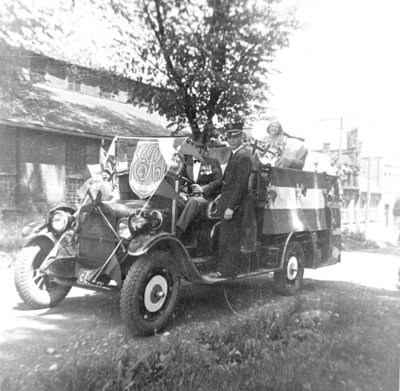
<point>184,184</point>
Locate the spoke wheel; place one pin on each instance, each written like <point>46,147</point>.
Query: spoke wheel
<point>150,293</point>
<point>289,279</point>
<point>34,287</point>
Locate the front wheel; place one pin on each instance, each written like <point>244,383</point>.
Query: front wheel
<point>36,289</point>
<point>150,293</point>
<point>289,279</point>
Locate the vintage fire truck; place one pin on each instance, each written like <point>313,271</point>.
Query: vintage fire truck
<point>127,244</point>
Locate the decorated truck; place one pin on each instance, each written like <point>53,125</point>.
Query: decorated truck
<point>122,238</point>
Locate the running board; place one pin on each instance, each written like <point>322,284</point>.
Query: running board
<point>92,287</point>
<point>210,280</point>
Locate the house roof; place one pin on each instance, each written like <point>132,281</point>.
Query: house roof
<point>39,106</point>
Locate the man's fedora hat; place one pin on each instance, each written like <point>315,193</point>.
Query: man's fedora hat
<point>199,139</point>
<point>234,129</point>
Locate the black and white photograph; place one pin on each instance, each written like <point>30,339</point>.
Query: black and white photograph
<point>199,195</point>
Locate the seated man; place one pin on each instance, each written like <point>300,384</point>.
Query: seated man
<point>205,180</point>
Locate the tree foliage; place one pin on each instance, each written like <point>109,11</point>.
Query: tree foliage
<point>205,60</point>
<point>210,58</point>
<point>85,32</point>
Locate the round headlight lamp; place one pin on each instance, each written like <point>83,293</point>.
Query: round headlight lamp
<point>61,220</point>
<point>155,218</point>
<point>137,224</point>
<point>123,229</point>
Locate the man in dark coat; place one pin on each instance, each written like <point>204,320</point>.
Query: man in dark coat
<point>231,204</point>
<point>205,178</point>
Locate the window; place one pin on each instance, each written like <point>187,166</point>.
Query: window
<point>75,168</point>
<point>73,84</point>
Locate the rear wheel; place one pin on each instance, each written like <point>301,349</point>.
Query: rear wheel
<point>35,288</point>
<point>289,279</point>
<point>150,293</point>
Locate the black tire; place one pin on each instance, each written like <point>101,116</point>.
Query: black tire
<point>38,291</point>
<point>289,279</point>
<point>150,293</point>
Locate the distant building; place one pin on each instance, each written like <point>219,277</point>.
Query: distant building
<point>370,186</point>
<point>380,177</point>
<point>54,117</point>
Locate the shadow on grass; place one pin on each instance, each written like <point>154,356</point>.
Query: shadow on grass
<point>94,318</point>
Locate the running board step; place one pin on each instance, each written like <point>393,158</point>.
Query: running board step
<point>240,276</point>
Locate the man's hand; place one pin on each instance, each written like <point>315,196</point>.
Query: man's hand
<point>196,189</point>
<point>228,214</point>
<point>183,198</point>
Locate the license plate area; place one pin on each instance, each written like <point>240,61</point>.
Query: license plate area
<point>85,275</point>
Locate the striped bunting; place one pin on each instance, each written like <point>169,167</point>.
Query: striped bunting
<point>298,203</point>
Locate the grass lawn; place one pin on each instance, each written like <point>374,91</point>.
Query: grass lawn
<point>346,338</point>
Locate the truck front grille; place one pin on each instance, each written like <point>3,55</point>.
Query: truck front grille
<point>96,240</point>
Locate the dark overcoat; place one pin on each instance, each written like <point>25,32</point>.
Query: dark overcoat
<point>233,194</point>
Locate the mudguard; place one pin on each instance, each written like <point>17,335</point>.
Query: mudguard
<point>44,233</point>
<point>311,246</point>
<point>142,244</point>
<point>30,231</point>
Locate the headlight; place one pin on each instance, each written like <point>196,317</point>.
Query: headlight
<point>123,229</point>
<point>155,219</point>
<point>137,224</point>
<point>61,220</point>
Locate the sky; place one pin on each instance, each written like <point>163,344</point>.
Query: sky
<point>344,64</point>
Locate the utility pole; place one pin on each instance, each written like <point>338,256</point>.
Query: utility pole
<point>368,198</point>
<point>340,149</point>
<point>341,119</point>
<point>340,141</point>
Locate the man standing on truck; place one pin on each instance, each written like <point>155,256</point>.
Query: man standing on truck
<point>231,203</point>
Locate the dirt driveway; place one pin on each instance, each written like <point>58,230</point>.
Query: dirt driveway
<point>87,324</point>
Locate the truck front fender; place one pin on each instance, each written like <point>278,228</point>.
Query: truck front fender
<point>143,244</point>
<point>44,233</point>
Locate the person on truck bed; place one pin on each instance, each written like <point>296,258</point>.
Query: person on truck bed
<point>290,151</point>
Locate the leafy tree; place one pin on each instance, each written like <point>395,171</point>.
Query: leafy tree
<point>205,59</point>
<point>84,32</point>
<point>210,58</point>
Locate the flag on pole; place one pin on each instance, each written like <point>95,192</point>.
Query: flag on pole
<point>266,153</point>
<point>108,165</point>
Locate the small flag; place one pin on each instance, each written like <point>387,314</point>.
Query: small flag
<point>108,166</point>
<point>267,153</point>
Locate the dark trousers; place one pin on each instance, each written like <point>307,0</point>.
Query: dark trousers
<point>193,207</point>
<point>229,244</point>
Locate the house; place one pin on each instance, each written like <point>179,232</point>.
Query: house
<point>54,118</point>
